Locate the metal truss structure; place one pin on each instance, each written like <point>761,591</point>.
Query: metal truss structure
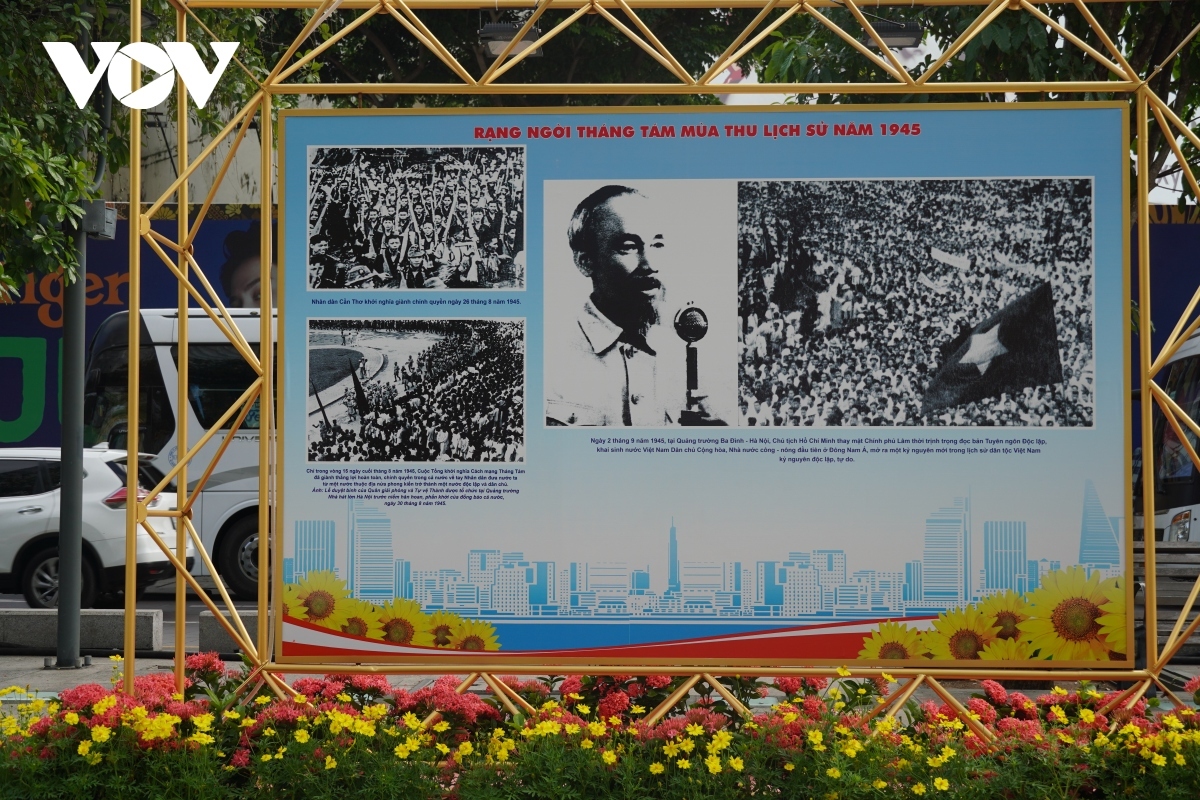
<point>177,256</point>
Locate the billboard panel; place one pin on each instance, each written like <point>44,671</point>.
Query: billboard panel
<point>688,387</point>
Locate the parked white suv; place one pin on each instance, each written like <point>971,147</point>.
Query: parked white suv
<point>29,515</point>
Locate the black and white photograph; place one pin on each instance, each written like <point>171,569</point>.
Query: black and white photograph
<point>386,390</point>
<point>416,218</point>
<point>965,302</point>
<point>640,311</point>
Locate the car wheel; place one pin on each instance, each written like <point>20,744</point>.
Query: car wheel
<point>39,581</point>
<point>238,559</point>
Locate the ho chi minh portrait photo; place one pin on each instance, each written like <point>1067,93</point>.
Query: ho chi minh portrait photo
<point>964,302</point>
<point>386,390</point>
<point>640,311</point>
<point>416,218</point>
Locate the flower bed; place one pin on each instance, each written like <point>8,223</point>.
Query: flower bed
<point>357,737</point>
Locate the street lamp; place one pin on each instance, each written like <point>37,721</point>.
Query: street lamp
<point>897,34</point>
<point>495,36</point>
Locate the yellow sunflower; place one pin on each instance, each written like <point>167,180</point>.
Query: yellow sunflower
<point>404,622</point>
<point>441,627</point>
<point>1006,650</point>
<point>1005,610</point>
<point>960,634</point>
<point>893,640</point>
<point>1064,617</point>
<point>291,601</point>
<point>324,599</point>
<point>362,619</point>
<point>474,634</point>
<point>1112,620</point>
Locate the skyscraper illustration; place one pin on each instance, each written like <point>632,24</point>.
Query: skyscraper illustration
<point>371,574</point>
<point>1004,562</point>
<point>674,585</point>
<point>314,546</point>
<point>945,574</point>
<point>1099,540</point>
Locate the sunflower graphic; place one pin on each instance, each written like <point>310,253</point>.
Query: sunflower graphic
<point>362,619</point>
<point>404,622</point>
<point>893,640</point>
<point>291,601</point>
<point>1112,620</point>
<point>442,625</point>
<point>960,634</point>
<point>1006,650</point>
<point>1006,610</point>
<point>1064,617</point>
<point>324,599</point>
<point>474,634</point>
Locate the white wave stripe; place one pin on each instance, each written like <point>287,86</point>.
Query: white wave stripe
<point>962,262</point>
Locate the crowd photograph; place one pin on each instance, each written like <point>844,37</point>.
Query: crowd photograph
<point>965,302</point>
<point>416,390</point>
<point>416,218</point>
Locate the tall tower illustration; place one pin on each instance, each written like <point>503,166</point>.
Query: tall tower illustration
<point>946,579</point>
<point>371,568</point>
<point>1099,545</point>
<point>674,585</point>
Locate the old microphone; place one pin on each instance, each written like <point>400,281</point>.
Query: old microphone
<point>691,323</point>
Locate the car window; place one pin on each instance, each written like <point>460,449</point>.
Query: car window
<point>20,478</point>
<point>53,475</point>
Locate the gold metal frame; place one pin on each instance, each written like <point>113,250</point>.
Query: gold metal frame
<point>177,257</point>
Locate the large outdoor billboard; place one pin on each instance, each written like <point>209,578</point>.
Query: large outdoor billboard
<point>780,386</point>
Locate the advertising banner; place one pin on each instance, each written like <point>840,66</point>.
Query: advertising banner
<point>695,386</point>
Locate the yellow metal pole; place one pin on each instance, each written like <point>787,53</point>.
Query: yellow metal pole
<point>133,509</point>
<point>266,404</point>
<point>181,406</point>
<point>1147,358</point>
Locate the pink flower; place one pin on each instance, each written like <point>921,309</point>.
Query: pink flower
<point>984,709</point>
<point>813,706</point>
<point>658,681</point>
<point>995,692</point>
<point>1193,685</point>
<point>789,686</point>
<point>613,703</point>
<point>82,697</point>
<point>207,665</point>
<point>570,685</point>
<point>241,758</point>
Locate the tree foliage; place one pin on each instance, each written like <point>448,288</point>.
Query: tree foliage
<point>1016,46</point>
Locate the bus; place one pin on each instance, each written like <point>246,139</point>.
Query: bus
<point>226,513</point>
<point>1176,480</point>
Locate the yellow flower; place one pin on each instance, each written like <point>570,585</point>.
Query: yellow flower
<point>694,730</point>
<point>918,788</point>
<point>671,749</point>
<point>960,634</point>
<point>292,605</point>
<point>262,699</point>
<point>571,728</point>
<point>586,744</point>
<point>442,748</point>
<point>1064,612</point>
<point>71,718</point>
<point>815,736</point>
<point>843,672</point>
<point>892,640</point>
<point>597,728</point>
<point>84,748</point>
<point>1159,760</point>
<point>636,709</point>
<point>941,784</point>
<point>657,768</point>
<point>879,783</point>
<point>887,677</point>
<point>1006,650</point>
<point>736,764</point>
<point>474,635</point>
<point>687,745</point>
<point>203,722</point>
<point>465,749</point>
<point>1006,611</point>
<point>1087,715</point>
<point>362,619</point>
<point>199,737</point>
<point>101,733</point>
<point>411,721</point>
<point>441,627</point>
<point>713,763</point>
<point>609,757</point>
<point>1112,619</point>
<point>442,726</point>
<point>834,773</point>
<point>683,763</point>
<point>789,766</point>
<point>1180,760</point>
<point>330,762</point>
<point>401,751</point>
<point>404,622</point>
<point>266,756</point>
<point>583,710</point>
<point>324,597</point>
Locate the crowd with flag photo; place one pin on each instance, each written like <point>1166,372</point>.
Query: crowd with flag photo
<point>416,218</point>
<point>916,302</point>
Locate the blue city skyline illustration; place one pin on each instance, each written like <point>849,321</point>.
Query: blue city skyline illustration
<point>811,584</point>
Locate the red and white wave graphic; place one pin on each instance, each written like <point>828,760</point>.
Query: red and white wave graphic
<point>823,641</point>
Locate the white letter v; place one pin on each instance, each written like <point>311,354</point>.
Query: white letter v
<point>198,80</point>
<point>80,83</point>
